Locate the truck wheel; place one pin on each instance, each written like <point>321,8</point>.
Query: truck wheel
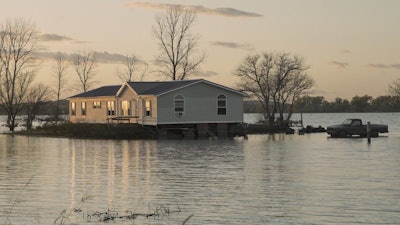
<point>375,134</point>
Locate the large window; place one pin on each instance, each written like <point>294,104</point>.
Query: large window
<point>221,104</point>
<point>110,108</point>
<point>148,108</point>
<point>73,108</point>
<point>179,103</point>
<point>125,108</point>
<point>83,107</point>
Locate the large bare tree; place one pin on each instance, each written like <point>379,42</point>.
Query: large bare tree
<point>177,44</point>
<point>18,40</point>
<point>276,80</point>
<point>134,69</point>
<point>60,72</point>
<point>84,65</point>
<point>255,74</point>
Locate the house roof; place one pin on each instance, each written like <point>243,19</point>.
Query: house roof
<point>156,88</point>
<point>159,87</point>
<point>99,92</point>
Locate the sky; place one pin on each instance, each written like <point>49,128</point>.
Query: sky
<point>351,46</point>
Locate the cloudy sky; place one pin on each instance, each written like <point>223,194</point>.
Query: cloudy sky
<point>351,46</point>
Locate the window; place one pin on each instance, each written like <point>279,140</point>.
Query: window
<point>110,108</point>
<point>125,108</point>
<point>179,103</point>
<point>96,104</point>
<point>73,108</point>
<point>83,107</point>
<point>148,107</point>
<point>221,104</point>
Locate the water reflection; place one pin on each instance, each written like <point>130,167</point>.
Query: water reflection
<point>268,179</point>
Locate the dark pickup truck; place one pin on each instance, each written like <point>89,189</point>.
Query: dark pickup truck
<point>351,127</point>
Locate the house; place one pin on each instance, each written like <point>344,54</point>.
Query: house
<point>186,104</point>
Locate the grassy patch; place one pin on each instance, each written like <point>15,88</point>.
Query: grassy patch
<point>96,131</point>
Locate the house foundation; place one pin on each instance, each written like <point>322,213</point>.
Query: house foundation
<point>222,130</point>
<point>202,130</point>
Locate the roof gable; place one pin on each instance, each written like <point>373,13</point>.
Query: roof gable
<point>164,87</point>
<point>104,91</point>
<point>159,87</point>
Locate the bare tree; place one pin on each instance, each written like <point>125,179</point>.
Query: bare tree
<point>60,72</point>
<point>37,99</point>
<point>296,85</point>
<point>84,65</point>
<point>394,88</point>
<point>134,69</point>
<point>18,40</point>
<point>177,44</point>
<point>276,80</point>
<point>255,74</point>
<point>291,80</point>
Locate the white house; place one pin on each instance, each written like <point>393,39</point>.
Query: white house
<point>198,104</point>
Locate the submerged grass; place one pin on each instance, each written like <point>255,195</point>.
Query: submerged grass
<point>98,216</point>
<point>113,215</point>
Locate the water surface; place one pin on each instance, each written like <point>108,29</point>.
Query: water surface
<point>267,179</point>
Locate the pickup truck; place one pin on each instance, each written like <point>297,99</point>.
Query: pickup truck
<point>351,127</point>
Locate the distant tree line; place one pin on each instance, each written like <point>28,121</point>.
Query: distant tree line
<point>364,103</point>
<point>318,104</point>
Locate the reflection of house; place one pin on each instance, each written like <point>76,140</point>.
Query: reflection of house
<point>189,103</point>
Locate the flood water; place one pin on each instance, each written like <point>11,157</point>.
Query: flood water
<point>267,179</point>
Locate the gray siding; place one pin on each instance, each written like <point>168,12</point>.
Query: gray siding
<point>200,105</point>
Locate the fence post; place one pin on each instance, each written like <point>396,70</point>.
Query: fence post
<point>369,132</point>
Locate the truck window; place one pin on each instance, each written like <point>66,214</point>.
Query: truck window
<point>346,122</point>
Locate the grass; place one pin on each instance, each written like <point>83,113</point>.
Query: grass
<point>95,131</point>
<point>98,216</point>
<point>109,215</point>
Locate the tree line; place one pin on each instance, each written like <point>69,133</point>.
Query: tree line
<point>318,104</point>
<point>366,103</point>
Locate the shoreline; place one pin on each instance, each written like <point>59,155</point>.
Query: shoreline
<point>118,131</point>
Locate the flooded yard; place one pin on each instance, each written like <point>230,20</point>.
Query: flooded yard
<point>267,179</point>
